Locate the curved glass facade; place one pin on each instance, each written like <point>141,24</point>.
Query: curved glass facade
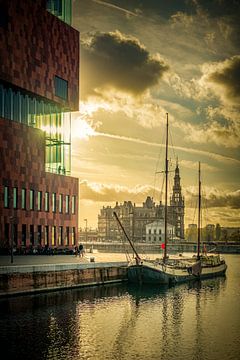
<point>62,9</point>
<point>24,108</point>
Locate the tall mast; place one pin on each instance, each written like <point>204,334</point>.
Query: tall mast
<point>199,212</point>
<point>166,194</point>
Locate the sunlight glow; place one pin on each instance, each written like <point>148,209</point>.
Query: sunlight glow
<point>81,129</point>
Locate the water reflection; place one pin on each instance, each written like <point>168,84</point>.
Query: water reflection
<point>124,322</point>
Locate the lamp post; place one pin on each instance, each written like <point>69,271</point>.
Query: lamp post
<point>11,238</point>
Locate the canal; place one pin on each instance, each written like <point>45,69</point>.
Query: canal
<point>120,322</point>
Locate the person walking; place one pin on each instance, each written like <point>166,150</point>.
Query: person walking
<point>81,250</point>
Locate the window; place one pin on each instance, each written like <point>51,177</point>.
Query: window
<point>39,200</point>
<point>160,231</point>
<point>46,201</point>
<point>31,200</point>
<point>39,234</point>
<point>60,235</point>
<point>46,236</point>
<point>53,235</point>
<point>149,231</point>
<point>60,203</point>
<point>67,204</point>
<point>24,234</point>
<point>24,192</point>
<point>15,197</point>
<point>73,236</point>
<point>54,202</point>
<point>61,87</point>
<point>6,196</point>
<point>73,204</point>
<point>32,234</point>
<point>67,235</point>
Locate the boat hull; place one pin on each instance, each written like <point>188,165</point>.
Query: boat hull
<point>150,274</point>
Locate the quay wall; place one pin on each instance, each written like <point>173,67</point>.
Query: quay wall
<point>142,248</point>
<point>17,280</point>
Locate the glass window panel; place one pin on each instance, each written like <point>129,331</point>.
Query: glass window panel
<point>39,200</point>
<point>53,235</point>
<point>54,202</point>
<point>24,192</point>
<point>73,204</point>
<point>67,235</point>
<point>67,204</point>
<point>46,201</point>
<point>60,203</point>
<point>61,87</point>
<point>73,236</point>
<point>6,196</point>
<point>32,235</point>
<point>15,197</point>
<point>31,200</point>
<point>60,235</point>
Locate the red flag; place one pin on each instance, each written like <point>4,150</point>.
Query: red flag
<point>163,246</point>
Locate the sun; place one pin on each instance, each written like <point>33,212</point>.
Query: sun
<point>82,129</point>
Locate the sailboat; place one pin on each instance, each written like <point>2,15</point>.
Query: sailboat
<point>168,270</point>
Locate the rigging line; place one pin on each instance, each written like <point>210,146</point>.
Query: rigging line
<point>157,164</point>
<point>161,192</point>
<point>172,147</point>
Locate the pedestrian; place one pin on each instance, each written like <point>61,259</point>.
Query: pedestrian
<point>81,250</point>
<point>76,251</point>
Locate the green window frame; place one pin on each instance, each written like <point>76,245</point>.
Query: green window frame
<point>24,199</point>
<point>15,197</point>
<point>39,200</point>
<point>6,196</point>
<point>73,204</point>
<point>60,206</point>
<point>54,197</point>
<point>47,201</point>
<point>67,205</point>
<point>31,199</point>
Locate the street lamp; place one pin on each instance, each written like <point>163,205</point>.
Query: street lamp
<point>12,221</point>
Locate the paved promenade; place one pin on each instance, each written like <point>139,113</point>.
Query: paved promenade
<point>61,259</point>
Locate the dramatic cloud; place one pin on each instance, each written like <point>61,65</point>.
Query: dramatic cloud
<point>215,198</point>
<point>224,79</point>
<point>111,193</point>
<point>113,60</point>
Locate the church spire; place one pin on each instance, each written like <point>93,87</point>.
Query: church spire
<point>177,203</point>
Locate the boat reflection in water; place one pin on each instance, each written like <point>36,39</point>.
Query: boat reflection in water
<point>199,320</point>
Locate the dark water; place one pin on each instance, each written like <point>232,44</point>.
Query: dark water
<point>197,321</point>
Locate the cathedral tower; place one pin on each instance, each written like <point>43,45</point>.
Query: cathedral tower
<point>177,205</point>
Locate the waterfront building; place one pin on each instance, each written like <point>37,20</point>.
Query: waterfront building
<point>155,231</point>
<point>135,218</point>
<point>39,87</point>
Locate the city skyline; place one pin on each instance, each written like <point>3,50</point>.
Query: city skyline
<point>139,60</point>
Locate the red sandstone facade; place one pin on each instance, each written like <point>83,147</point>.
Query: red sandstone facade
<point>22,151</point>
<point>37,208</point>
<point>35,47</point>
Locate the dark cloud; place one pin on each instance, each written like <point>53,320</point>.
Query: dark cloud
<point>117,61</point>
<point>228,76</point>
<point>229,200</point>
<point>214,200</point>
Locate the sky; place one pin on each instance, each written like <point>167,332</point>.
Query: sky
<point>141,59</point>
